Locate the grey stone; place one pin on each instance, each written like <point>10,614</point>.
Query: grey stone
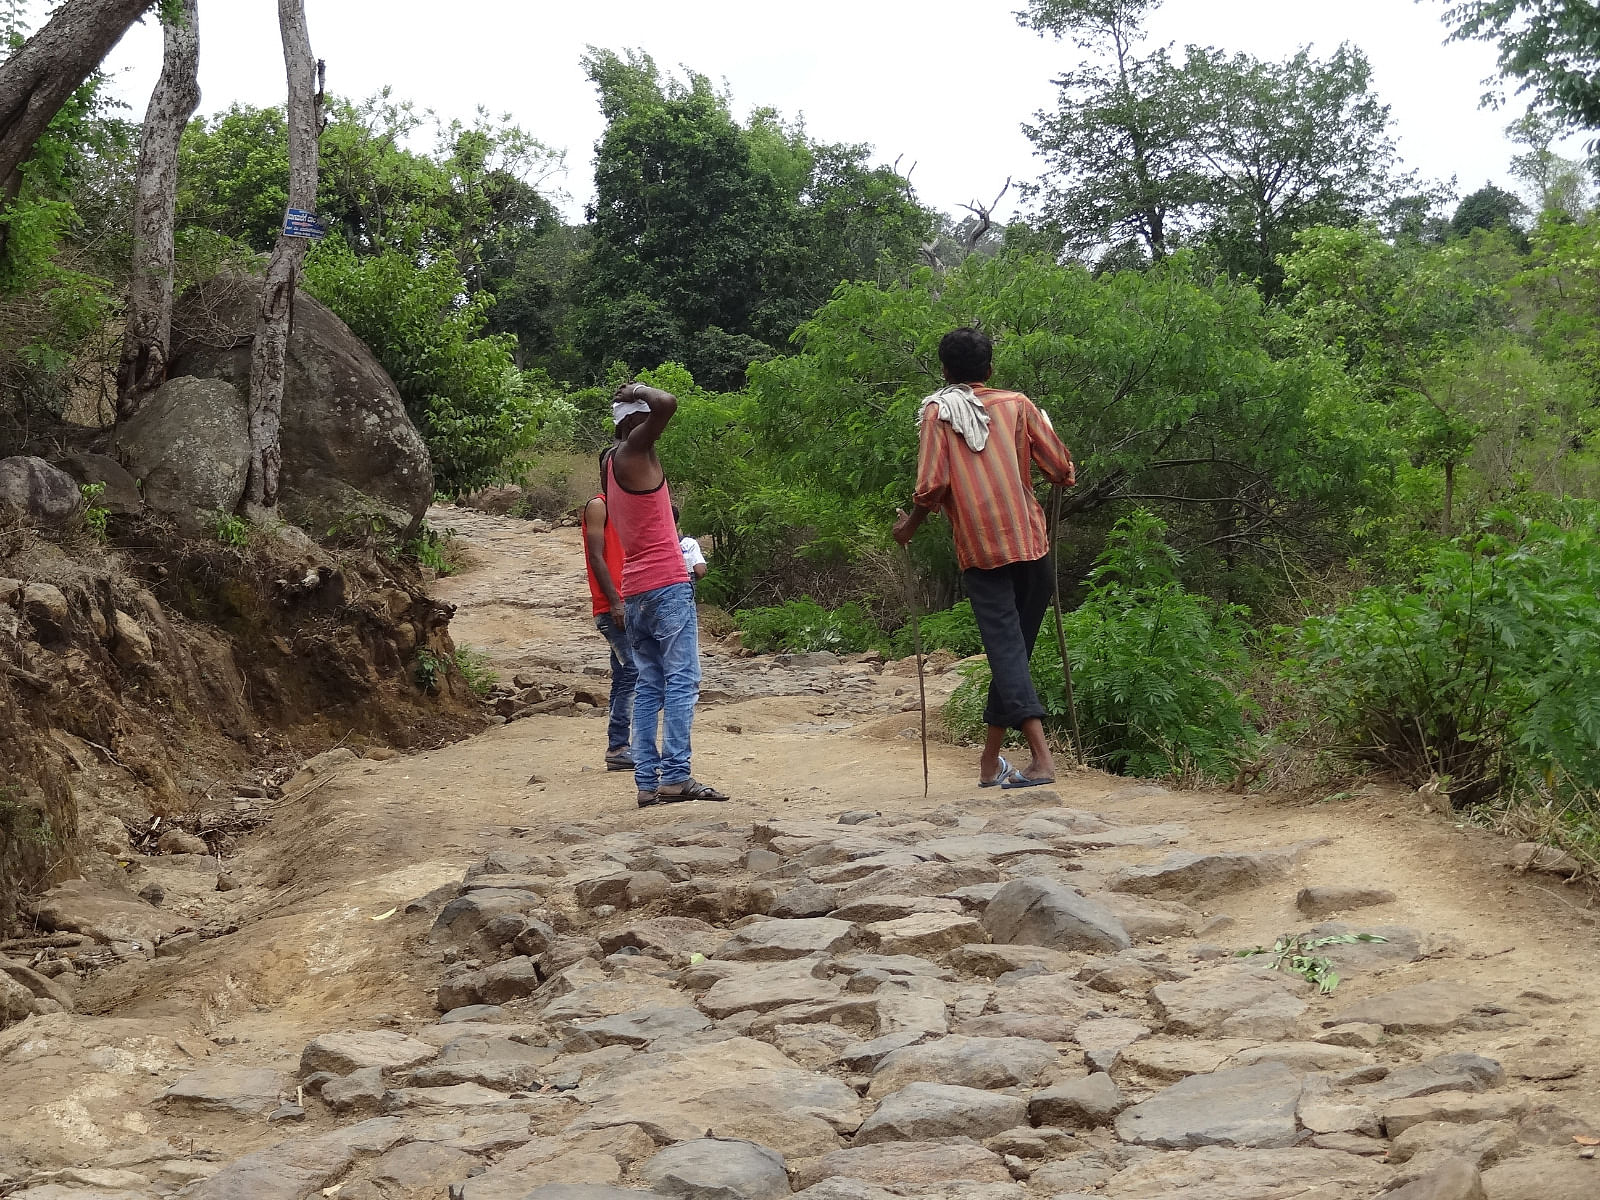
<point>931,1111</point>
<point>778,940</point>
<point>922,933</point>
<point>1085,1103</point>
<point>1434,1007</point>
<point>872,909</point>
<point>905,1164</point>
<point>359,1091</point>
<point>419,1165</point>
<point>667,938</point>
<point>1241,1107</point>
<point>34,488</point>
<point>45,606</point>
<point>104,913</point>
<point>464,920</point>
<point>740,1087</point>
<point>1042,912</point>
<point>1038,1026</point>
<point>1452,1108</point>
<point>1324,901</point>
<point>762,989</point>
<point>120,495</point>
<point>1543,1177</point>
<point>965,1061</point>
<point>642,1026</point>
<point>1226,1173</point>
<point>39,986</point>
<point>342,1053</point>
<point>1191,876</point>
<point>244,1091</point>
<point>508,980</point>
<point>299,1167</point>
<point>865,1056</point>
<point>1446,1073</point>
<point>472,1012</point>
<point>1233,1000</point>
<point>1457,1180</point>
<point>1103,1040</point>
<point>1482,1143</point>
<point>996,960</point>
<point>717,1169</point>
<point>189,446</point>
<point>349,447</point>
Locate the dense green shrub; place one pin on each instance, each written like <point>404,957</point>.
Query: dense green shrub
<point>1157,671</point>
<point>473,407</point>
<point>1485,671</point>
<point>804,624</point>
<point>955,629</point>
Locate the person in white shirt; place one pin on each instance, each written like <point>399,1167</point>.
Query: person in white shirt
<point>692,556</point>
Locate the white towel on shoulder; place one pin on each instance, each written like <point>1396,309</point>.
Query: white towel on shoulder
<point>961,409</point>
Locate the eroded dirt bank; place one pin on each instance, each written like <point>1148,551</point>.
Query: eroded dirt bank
<point>969,995</point>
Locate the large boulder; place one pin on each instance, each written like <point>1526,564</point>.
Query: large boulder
<point>189,446</point>
<point>120,491</point>
<point>349,449</point>
<point>38,490</point>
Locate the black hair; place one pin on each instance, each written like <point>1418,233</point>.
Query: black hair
<point>604,454</point>
<point>967,355</point>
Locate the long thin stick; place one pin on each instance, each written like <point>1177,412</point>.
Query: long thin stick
<point>916,642</point>
<point>1061,634</point>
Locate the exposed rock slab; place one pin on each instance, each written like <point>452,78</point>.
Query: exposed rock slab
<point>717,1169</point>
<point>1042,912</point>
<point>738,1088</point>
<point>1242,1107</point>
<point>244,1091</point>
<point>965,1061</point>
<point>350,1051</point>
<point>1435,1007</point>
<point>906,1164</point>
<point>1190,876</point>
<point>1234,1000</point>
<point>931,1111</point>
<point>779,940</point>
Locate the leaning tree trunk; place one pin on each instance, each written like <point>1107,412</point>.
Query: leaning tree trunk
<point>283,272</point>
<point>37,80</point>
<point>148,338</point>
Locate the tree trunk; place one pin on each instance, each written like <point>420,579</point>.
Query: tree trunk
<point>38,79</point>
<point>283,272</point>
<point>148,338</point>
<point>1445,515</point>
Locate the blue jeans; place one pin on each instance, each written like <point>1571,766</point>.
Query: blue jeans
<point>623,677</point>
<point>664,634</point>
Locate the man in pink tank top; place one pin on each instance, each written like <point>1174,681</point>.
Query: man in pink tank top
<point>658,601</point>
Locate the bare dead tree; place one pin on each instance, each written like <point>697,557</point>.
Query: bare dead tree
<point>148,338</point>
<point>38,79</point>
<point>985,215</point>
<point>306,76</point>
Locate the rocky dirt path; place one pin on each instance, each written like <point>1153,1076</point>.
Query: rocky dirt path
<point>451,981</point>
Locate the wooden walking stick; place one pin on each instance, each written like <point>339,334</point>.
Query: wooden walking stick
<point>1061,636</point>
<point>916,642</point>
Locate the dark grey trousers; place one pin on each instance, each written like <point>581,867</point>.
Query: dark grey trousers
<point>1009,603</point>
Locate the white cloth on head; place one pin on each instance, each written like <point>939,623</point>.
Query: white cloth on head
<point>960,408</point>
<point>621,410</point>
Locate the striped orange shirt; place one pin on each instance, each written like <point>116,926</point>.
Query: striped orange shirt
<point>989,497</point>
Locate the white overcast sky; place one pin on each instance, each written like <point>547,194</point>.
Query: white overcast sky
<point>942,84</point>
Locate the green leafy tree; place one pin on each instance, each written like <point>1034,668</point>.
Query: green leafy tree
<point>1550,48</point>
<point>712,240</point>
<point>1284,147</point>
<point>1489,207</point>
<point>1557,184</point>
<point>1177,392</point>
<point>1122,169</point>
<point>460,386</point>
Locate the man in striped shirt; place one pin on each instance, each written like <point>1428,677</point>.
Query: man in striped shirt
<point>977,451</point>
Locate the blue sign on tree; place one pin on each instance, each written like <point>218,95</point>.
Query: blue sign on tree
<point>297,222</point>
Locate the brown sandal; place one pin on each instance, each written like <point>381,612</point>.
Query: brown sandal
<point>690,789</point>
